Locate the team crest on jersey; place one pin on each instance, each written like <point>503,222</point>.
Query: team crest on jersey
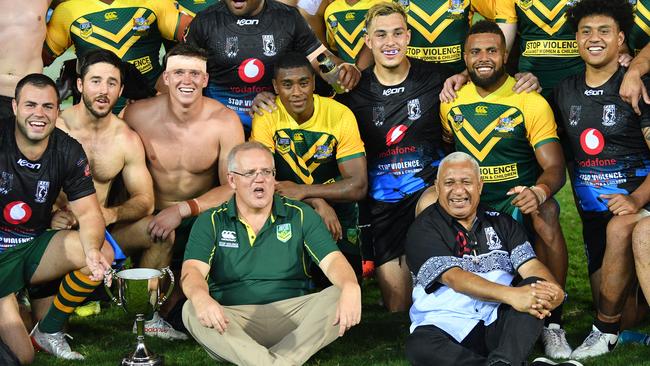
<point>323,152</point>
<point>609,115</point>
<point>6,180</point>
<point>413,109</point>
<point>570,3</point>
<point>283,232</point>
<point>525,4</point>
<point>493,240</point>
<point>456,9</point>
<point>283,145</point>
<point>85,29</point>
<point>141,26</point>
<point>232,46</point>
<point>268,45</point>
<point>42,188</point>
<point>505,124</point>
<point>404,3</point>
<point>574,115</point>
<point>378,115</point>
<point>333,23</point>
<point>458,121</point>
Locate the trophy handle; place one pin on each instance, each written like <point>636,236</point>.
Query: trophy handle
<point>109,276</point>
<point>164,297</point>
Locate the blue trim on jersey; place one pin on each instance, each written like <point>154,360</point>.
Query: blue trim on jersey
<point>589,197</point>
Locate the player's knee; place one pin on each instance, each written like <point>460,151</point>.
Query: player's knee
<point>640,237</point>
<point>619,232</point>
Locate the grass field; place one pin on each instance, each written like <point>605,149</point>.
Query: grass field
<point>378,340</point>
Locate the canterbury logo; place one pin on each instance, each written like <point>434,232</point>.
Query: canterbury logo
<point>111,15</point>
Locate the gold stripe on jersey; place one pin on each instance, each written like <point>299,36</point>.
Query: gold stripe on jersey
<point>430,36</point>
<point>116,48</point>
<point>300,169</point>
<point>344,38</point>
<point>641,9</point>
<point>479,137</point>
<point>554,20</point>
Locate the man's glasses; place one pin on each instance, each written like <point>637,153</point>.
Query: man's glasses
<point>254,173</point>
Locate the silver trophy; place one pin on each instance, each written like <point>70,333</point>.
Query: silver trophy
<point>138,292</point>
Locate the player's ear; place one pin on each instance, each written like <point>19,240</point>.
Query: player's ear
<point>80,87</point>
<point>231,180</point>
<point>275,86</point>
<point>14,105</point>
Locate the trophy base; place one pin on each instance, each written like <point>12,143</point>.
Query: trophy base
<point>152,360</point>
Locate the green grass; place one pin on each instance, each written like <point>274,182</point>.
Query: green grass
<point>378,340</point>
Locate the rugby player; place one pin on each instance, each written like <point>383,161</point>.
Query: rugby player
<point>606,139</point>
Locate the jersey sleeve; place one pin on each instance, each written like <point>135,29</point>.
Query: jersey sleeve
<point>447,134</point>
<point>516,240</point>
<point>57,38</point>
<point>201,242</point>
<point>644,122</point>
<point>505,11</point>
<point>169,18</point>
<point>263,129</point>
<point>487,8</point>
<point>305,40</point>
<point>317,239</point>
<point>540,122</point>
<point>78,182</point>
<point>350,145</point>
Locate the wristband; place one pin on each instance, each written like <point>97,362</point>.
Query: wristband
<point>195,209</point>
<point>540,194</point>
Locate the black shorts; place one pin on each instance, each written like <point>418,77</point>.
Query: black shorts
<point>6,110</point>
<point>389,223</point>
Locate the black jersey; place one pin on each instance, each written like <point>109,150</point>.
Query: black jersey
<point>28,189</point>
<point>243,51</point>
<point>400,127</point>
<point>604,136</point>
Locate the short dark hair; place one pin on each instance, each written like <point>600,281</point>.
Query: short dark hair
<point>620,10</point>
<point>97,56</point>
<point>292,60</point>
<point>486,26</point>
<point>185,49</point>
<point>38,80</point>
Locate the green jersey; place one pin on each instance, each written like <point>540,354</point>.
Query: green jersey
<point>639,35</point>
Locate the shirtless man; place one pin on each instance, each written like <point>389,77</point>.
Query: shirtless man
<point>23,23</point>
<point>186,139</point>
<point>111,146</point>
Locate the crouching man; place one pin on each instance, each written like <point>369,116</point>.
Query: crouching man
<point>254,308</point>
<point>464,258</point>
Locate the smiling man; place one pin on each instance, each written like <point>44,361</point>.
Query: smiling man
<point>514,139</point>
<point>610,146</point>
<point>186,139</point>
<point>464,258</point>
<point>396,105</point>
<point>245,277</point>
<point>318,153</point>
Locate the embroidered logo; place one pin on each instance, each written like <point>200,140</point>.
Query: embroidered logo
<point>283,232</point>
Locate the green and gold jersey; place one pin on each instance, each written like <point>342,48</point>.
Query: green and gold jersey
<point>346,27</point>
<point>639,35</point>
<point>548,44</point>
<point>191,7</point>
<point>263,267</point>
<point>438,28</point>
<point>502,132</point>
<point>310,153</point>
<point>132,29</point>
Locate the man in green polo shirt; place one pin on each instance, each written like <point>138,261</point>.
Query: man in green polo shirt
<point>254,251</point>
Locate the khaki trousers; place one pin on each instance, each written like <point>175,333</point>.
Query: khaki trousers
<point>286,332</point>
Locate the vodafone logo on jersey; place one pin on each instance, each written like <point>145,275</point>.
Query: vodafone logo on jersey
<point>592,141</point>
<point>395,135</point>
<point>251,70</point>
<point>17,212</point>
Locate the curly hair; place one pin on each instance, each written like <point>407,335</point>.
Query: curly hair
<point>620,10</point>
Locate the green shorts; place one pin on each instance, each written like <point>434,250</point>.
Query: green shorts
<point>18,264</point>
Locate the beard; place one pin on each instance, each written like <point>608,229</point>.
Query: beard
<point>488,81</point>
<point>89,106</point>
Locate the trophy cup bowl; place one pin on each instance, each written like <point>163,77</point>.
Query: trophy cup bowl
<point>139,292</point>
